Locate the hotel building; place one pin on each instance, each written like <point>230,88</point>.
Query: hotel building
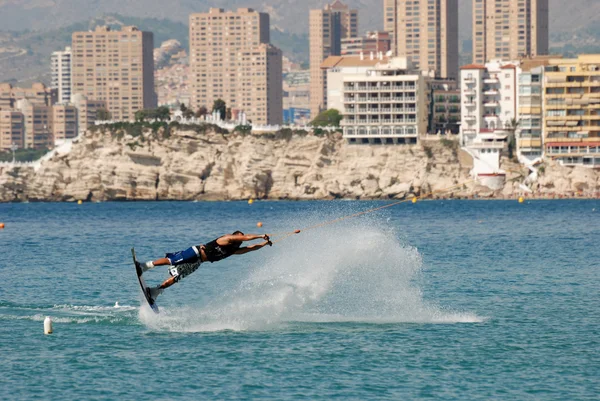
<point>509,29</point>
<point>327,29</point>
<point>60,67</point>
<point>116,67</point>
<point>231,59</point>
<point>382,100</point>
<point>426,32</point>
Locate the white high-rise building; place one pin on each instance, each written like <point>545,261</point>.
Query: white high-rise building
<point>60,65</point>
<point>488,116</point>
<point>489,94</point>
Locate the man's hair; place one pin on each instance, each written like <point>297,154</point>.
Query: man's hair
<point>237,233</point>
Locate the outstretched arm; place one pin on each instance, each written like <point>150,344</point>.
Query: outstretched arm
<point>227,239</point>
<point>252,248</point>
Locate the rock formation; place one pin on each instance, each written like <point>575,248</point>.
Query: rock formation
<point>198,164</point>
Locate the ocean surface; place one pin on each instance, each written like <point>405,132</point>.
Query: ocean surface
<point>438,300</point>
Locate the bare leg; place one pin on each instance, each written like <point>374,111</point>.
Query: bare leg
<point>161,262</point>
<point>167,283</point>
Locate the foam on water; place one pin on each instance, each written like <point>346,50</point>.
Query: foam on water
<point>353,272</point>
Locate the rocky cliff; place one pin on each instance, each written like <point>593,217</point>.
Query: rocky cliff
<point>200,164</point>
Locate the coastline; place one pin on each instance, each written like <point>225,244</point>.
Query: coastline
<point>111,164</point>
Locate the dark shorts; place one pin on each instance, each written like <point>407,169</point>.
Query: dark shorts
<point>183,262</point>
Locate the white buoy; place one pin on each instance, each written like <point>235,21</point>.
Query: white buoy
<point>117,304</point>
<point>47,325</point>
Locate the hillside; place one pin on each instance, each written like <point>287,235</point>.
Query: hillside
<point>31,29</point>
<point>25,56</point>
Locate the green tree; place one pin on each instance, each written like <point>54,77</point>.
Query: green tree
<point>220,106</point>
<point>141,115</point>
<point>328,118</point>
<point>162,113</point>
<point>202,111</point>
<point>103,114</point>
<point>228,114</point>
<point>512,127</point>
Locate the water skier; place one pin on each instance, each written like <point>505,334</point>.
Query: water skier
<point>184,263</point>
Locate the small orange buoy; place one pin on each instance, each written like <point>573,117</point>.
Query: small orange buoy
<point>296,231</point>
<point>259,224</point>
<point>250,201</point>
<point>1,226</point>
<point>414,200</point>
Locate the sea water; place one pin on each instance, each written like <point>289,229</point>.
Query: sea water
<point>447,300</point>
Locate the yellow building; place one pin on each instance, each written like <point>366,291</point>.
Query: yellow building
<point>571,115</point>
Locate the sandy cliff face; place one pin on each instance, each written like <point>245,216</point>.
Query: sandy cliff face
<point>187,165</point>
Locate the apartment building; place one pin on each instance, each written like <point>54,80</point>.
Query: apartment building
<point>571,110</point>
<point>444,106</point>
<point>60,68</point>
<point>426,32</point>
<point>64,122</point>
<point>116,67</point>
<point>373,42</point>
<point>37,119</point>
<point>489,95</point>
<point>327,28</point>
<point>509,29</point>
<point>12,129</point>
<point>231,59</point>
<point>37,94</point>
<point>382,100</point>
<point>529,133</point>
<point>87,111</point>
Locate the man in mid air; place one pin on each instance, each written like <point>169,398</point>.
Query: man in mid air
<point>184,263</point>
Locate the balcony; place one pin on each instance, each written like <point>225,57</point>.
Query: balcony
<point>470,118</point>
<point>470,80</point>
<point>491,92</point>
<point>491,80</point>
<point>491,104</point>
<point>470,92</point>
<point>470,103</point>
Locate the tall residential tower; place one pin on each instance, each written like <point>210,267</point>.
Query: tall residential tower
<point>231,59</point>
<point>60,67</point>
<point>327,29</point>
<point>509,29</point>
<point>117,67</point>
<point>425,32</point>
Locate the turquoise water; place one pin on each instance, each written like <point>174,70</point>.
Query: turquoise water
<point>451,300</point>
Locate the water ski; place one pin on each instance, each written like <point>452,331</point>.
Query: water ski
<point>143,285</point>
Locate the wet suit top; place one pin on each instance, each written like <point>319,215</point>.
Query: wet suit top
<point>215,252</point>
